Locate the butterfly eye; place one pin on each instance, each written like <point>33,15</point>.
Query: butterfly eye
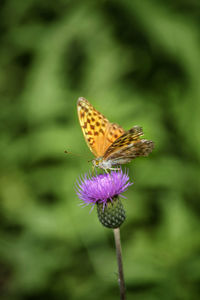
<point>95,162</point>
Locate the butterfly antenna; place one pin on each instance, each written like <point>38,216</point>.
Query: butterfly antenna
<point>76,154</point>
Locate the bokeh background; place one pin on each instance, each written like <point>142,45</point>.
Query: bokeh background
<point>138,62</point>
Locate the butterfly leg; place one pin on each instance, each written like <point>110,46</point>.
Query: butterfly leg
<point>106,171</point>
<point>93,168</point>
<point>114,169</point>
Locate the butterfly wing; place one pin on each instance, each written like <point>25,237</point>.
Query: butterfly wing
<point>99,133</point>
<point>128,146</point>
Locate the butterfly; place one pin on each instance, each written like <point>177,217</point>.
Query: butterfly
<point>109,142</point>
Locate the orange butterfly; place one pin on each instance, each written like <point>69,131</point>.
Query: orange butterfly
<point>109,142</point>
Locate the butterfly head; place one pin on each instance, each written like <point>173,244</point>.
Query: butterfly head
<point>97,162</point>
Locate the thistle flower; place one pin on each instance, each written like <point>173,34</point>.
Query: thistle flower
<point>104,190</point>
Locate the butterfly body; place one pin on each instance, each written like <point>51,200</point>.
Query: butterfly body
<point>109,142</point>
<point>102,164</point>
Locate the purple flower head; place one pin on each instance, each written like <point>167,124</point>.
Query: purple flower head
<point>103,187</point>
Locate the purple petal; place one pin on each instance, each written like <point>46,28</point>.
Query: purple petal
<point>91,189</point>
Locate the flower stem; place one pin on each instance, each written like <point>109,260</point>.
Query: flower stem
<point>119,262</point>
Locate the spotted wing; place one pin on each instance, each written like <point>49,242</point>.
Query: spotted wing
<point>99,133</point>
<point>128,146</point>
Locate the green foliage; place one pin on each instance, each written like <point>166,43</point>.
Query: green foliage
<point>138,62</point>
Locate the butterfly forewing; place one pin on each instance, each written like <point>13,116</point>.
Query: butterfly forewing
<point>99,133</point>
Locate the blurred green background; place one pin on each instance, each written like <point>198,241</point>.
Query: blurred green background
<point>138,62</point>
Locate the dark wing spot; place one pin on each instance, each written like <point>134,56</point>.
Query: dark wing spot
<point>111,133</point>
<point>89,114</point>
<point>101,130</point>
<point>85,125</point>
<point>82,115</point>
<point>94,114</point>
<point>90,140</point>
<point>103,124</point>
<point>96,133</point>
<point>116,136</point>
<point>97,124</point>
<point>86,110</point>
<point>93,119</point>
<point>92,127</point>
<point>89,132</point>
<point>88,120</point>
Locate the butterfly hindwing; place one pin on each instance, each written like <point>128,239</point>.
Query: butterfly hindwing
<point>130,136</point>
<point>128,147</point>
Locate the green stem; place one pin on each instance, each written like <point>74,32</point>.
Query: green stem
<point>120,265</point>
